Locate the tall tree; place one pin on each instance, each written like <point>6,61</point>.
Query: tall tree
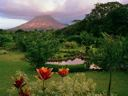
<point>96,19</point>
<point>117,21</point>
<point>101,10</point>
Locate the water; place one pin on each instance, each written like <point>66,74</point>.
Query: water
<point>68,62</point>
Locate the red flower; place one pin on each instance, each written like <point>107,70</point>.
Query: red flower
<point>44,73</point>
<point>63,72</point>
<point>19,82</point>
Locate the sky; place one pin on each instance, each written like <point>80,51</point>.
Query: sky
<point>16,12</point>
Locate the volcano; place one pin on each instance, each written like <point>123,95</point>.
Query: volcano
<point>44,22</point>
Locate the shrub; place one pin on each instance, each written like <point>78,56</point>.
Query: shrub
<point>20,84</point>
<point>43,47</point>
<point>72,44</point>
<point>5,38</point>
<point>75,85</point>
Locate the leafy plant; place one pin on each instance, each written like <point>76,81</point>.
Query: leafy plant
<point>109,56</point>
<point>41,49</point>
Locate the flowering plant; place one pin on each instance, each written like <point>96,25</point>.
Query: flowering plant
<point>44,73</point>
<point>63,72</point>
<point>21,85</point>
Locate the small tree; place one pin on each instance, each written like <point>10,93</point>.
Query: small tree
<point>108,56</point>
<point>41,49</point>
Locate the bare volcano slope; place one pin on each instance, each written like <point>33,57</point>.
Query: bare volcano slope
<point>41,23</point>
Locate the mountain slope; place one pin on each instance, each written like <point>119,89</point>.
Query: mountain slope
<point>41,23</point>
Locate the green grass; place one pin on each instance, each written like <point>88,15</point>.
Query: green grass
<point>9,64</point>
<point>14,61</point>
<point>119,81</point>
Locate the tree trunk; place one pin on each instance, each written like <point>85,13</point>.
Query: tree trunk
<point>110,81</point>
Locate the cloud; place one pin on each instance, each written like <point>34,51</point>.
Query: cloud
<point>6,23</point>
<point>22,8</point>
<point>124,1</point>
<point>63,10</point>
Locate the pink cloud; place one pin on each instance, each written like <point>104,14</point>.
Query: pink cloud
<point>64,10</point>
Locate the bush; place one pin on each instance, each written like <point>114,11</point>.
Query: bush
<point>72,44</point>
<point>87,38</point>
<point>42,47</point>
<point>76,85</point>
<point>5,38</point>
<point>75,38</point>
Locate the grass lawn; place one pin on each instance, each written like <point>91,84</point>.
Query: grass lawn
<point>9,64</point>
<point>12,62</point>
<point>119,81</point>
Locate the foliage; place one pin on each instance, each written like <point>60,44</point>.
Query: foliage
<point>110,53</point>
<point>24,89</point>
<point>41,48</point>
<point>69,45</point>
<point>77,85</point>
<point>87,39</point>
<point>22,40</point>
<point>117,21</point>
<point>102,9</point>
<point>108,17</point>
<point>5,38</point>
<point>76,38</point>
<point>109,56</point>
